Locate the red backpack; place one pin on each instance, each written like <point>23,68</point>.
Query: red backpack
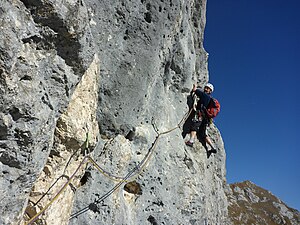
<point>213,108</point>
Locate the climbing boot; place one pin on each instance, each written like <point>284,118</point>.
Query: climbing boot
<point>213,150</point>
<point>188,143</point>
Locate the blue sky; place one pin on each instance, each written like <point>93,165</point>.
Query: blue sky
<point>254,63</point>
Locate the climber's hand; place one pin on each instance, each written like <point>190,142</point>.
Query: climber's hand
<point>194,87</point>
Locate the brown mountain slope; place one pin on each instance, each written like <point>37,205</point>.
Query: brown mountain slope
<point>250,204</point>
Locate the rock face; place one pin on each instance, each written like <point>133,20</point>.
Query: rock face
<point>250,204</point>
<point>112,79</point>
<point>41,60</point>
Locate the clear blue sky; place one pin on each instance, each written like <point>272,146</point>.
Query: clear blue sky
<point>254,63</point>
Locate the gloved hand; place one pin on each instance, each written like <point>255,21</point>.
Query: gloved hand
<point>194,87</point>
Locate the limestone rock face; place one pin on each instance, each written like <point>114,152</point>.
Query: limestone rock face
<point>110,79</point>
<point>250,204</point>
<point>43,54</point>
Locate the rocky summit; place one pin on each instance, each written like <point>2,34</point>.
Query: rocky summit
<point>250,204</point>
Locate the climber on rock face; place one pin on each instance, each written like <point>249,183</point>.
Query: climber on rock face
<point>201,116</point>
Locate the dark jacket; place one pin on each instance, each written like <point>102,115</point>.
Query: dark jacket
<point>204,99</point>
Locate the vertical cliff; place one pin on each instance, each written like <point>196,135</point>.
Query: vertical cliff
<point>112,79</point>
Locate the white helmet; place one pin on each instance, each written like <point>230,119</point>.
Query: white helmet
<point>209,85</point>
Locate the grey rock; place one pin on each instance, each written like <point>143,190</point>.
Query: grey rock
<point>149,54</point>
<point>284,211</point>
<point>39,69</point>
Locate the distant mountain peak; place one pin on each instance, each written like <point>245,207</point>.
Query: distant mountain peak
<point>251,204</point>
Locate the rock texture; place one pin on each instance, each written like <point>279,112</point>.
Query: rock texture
<point>250,204</point>
<point>106,78</point>
<point>43,54</point>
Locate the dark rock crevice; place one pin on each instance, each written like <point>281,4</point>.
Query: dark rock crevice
<point>55,34</point>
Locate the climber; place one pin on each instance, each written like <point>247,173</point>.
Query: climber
<point>201,118</point>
